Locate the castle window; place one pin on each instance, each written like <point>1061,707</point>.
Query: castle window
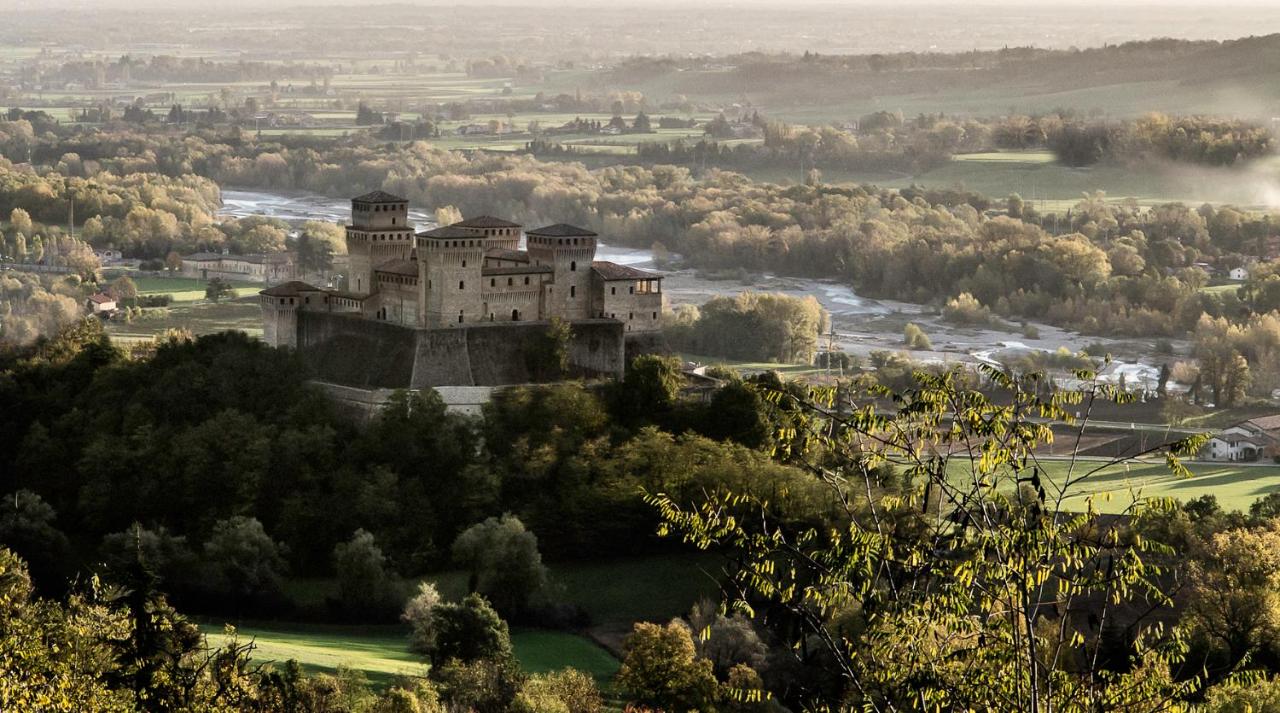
<point>464,263</point>
<point>655,315</point>
<point>631,315</point>
<point>393,221</point>
<point>613,290</point>
<point>526,280</point>
<point>573,266</point>
<point>462,284</point>
<point>573,290</point>
<point>459,317</point>
<point>515,315</point>
<point>633,289</point>
<point>492,282</point>
<point>510,282</point>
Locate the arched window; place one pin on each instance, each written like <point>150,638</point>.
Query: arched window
<point>526,280</point>
<point>573,266</point>
<point>573,290</point>
<point>510,281</point>
<point>515,315</point>
<point>462,285</point>
<point>459,317</point>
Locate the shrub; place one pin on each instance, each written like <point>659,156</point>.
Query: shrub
<point>915,338</point>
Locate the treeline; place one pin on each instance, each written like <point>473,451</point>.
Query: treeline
<point>212,443</point>
<point>1199,140</point>
<point>166,68</point>
<point>750,326</point>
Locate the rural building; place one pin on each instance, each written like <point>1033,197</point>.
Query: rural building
<point>269,268</point>
<point>101,303</point>
<point>1246,441</point>
<point>1239,274</point>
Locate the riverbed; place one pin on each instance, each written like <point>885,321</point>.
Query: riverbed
<point>861,325</point>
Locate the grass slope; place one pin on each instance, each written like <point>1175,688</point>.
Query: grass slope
<point>1114,488</point>
<point>382,652</point>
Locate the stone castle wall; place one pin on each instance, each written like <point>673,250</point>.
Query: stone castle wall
<point>351,351</point>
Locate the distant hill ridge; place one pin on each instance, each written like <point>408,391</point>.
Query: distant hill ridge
<point>1250,65</point>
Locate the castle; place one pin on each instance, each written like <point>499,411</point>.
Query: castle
<point>465,276</point>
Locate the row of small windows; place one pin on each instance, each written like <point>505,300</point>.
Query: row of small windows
<point>644,287</point>
<point>494,283</point>
<point>561,241</point>
<point>380,207</point>
<point>630,315</point>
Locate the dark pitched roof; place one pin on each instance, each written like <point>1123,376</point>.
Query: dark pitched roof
<point>446,233</point>
<point>504,254</point>
<point>289,289</point>
<point>561,230</point>
<point>202,257</point>
<point>101,298</point>
<point>485,221</point>
<point>521,270</point>
<point>398,267</point>
<point>380,197</point>
<point>614,271</point>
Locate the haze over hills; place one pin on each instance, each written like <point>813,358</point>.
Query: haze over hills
<point>584,30</point>
<point>1235,77</point>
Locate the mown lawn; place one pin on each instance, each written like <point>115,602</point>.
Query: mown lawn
<point>382,651</point>
<point>1114,488</point>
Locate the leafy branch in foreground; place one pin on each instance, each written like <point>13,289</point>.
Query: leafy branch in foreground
<point>969,571</point>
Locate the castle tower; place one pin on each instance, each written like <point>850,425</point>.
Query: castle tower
<point>280,307</point>
<point>569,250</point>
<point>379,233</point>
<point>498,233</point>
<point>449,264</point>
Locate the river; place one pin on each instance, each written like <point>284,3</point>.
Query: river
<point>861,325</point>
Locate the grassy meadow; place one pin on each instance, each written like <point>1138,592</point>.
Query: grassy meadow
<point>382,652</point>
<point>613,593</point>
<point>1113,488</point>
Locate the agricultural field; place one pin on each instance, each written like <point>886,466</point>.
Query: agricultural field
<point>189,310</point>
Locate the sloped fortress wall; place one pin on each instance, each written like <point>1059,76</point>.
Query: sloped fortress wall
<point>348,350</point>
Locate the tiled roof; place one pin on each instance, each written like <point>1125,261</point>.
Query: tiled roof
<point>380,197</point>
<point>614,271</point>
<point>1264,423</point>
<point>202,257</point>
<point>446,233</point>
<point>504,254</point>
<point>101,298</point>
<point>398,267</point>
<point>485,221</point>
<point>521,270</point>
<point>561,230</point>
<point>289,289</point>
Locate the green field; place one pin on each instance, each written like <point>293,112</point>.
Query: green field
<point>1114,488</point>
<point>382,652</point>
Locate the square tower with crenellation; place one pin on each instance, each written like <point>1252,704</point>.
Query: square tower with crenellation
<point>379,233</point>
